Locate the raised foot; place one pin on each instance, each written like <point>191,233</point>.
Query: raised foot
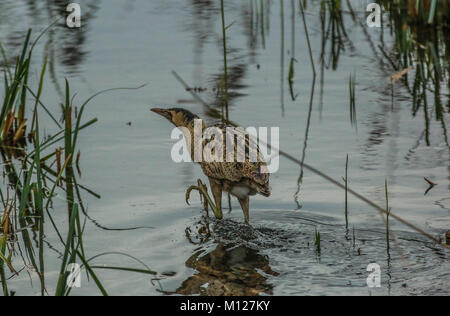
<point>203,191</point>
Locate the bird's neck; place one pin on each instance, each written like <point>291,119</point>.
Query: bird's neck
<point>193,134</point>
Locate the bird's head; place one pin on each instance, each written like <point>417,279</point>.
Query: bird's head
<point>177,116</point>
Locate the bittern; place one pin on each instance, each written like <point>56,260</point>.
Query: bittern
<point>239,177</point>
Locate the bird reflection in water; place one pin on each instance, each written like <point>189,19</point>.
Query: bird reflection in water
<point>228,270</point>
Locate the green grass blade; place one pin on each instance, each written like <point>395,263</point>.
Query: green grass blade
<point>39,197</point>
<point>25,47</point>
<point>92,274</point>
<point>432,11</point>
<point>5,62</point>
<point>125,269</point>
<point>60,288</point>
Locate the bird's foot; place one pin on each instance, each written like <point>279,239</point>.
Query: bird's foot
<point>203,191</point>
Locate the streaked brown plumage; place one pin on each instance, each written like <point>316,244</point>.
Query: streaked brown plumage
<point>241,179</point>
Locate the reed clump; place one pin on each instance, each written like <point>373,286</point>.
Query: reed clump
<point>25,212</point>
<point>13,124</point>
<point>422,49</point>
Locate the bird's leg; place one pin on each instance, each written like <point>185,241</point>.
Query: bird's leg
<point>216,189</point>
<point>245,206</point>
<point>202,199</point>
<point>203,190</point>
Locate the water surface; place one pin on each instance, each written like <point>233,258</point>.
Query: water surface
<point>125,157</point>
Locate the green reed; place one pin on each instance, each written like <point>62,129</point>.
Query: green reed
<point>12,125</point>
<point>346,194</point>
<point>420,31</point>
<point>354,236</point>
<point>225,66</point>
<point>334,30</point>
<point>4,258</point>
<point>388,212</point>
<point>291,74</point>
<point>352,93</point>
<point>317,240</point>
<point>35,184</point>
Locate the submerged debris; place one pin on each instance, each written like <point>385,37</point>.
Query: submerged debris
<point>432,185</point>
<point>395,77</point>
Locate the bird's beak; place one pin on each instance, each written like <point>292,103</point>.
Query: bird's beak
<point>162,112</point>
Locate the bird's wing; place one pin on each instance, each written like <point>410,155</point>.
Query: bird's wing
<point>244,161</point>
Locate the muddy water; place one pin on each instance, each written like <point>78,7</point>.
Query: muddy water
<point>125,157</point>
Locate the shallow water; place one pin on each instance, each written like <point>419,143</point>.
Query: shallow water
<point>125,157</point>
